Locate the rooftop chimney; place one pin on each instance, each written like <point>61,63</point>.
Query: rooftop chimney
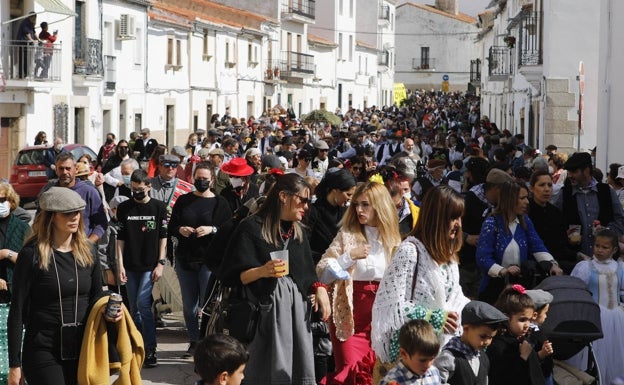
<point>448,6</point>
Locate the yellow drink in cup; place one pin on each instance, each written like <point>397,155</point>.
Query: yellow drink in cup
<point>283,256</point>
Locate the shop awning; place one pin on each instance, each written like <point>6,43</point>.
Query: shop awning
<point>56,6</point>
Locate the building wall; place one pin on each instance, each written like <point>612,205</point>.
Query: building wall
<point>610,85</point>
<point>451,44</point>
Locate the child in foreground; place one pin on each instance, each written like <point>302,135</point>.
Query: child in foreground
<point>512,358</point>
<point>220,360</point>
<point>543,347</point>
<point>418,347</point>
<point>462,360</point>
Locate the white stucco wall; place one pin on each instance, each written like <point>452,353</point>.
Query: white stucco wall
<point>610,85</point>
<point>451,47</point>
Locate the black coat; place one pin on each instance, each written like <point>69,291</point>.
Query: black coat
<point>322,225</point>
<point>508,368</point>
<point>248,249</point>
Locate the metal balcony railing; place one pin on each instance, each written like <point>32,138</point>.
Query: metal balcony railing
<point>292,64</point>
<point>423,63</point>
<point>500,61</point>
<point>31,62</point>
<point>530,40</point>
<point>384,12</point>
<point>305,8</point>
<point>475,71</point>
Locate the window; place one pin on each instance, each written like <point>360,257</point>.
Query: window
<point>424,58</point>
<point>350,8</point>
<point>178,53</point>
<point>360,64</point>
<point>339,46</point>
<point>138,47</point>
<point>250,58</point>
<point>170,51</point>
<point>205,55</point>
<point>350,48</point>
<point>340,5</point>
<point>174,53</point>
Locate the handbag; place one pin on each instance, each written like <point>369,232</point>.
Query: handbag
<point>233,311</point>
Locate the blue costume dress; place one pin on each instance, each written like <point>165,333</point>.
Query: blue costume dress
<point>605,280</point>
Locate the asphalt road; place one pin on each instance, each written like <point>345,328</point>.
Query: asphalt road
<point>172,369</point>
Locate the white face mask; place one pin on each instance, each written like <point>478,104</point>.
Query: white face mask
<point>236,182</point>
<point>407,196</point>
<point>58,147</point>
<point>5,210</point>
<point>551,170</point>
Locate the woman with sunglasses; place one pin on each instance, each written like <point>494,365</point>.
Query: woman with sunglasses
<point>57,278</point>
<point>303,164</point>
<point>281,350</point>
<point>353,266</point>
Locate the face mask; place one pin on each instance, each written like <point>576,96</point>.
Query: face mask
<point>58,147</point>
<point>126,180</point>
<point>109,141</point>
<point>407,196</point>
<point>236,182</point>
<point>551,170</point>
<point>346,204</point>
<point>202,185</point>
<point>123,151</point>
<point>4,209</point>
<point>139,196</point>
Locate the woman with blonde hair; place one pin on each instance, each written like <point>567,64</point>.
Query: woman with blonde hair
<point>353,265</point>
<point>423,280</point>
<point>57,278</point>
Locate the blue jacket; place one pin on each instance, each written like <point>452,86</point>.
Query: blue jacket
<point>493,241</point>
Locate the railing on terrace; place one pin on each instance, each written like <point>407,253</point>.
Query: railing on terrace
<point>305,8</point>
<point>384,12</point>
<point>423,63</point>
<point>500,61</point>
<point>530,42</point>
<point>475,71</point>
<point>296,64</point>
<point>383,58</point>
<point>31,62</point>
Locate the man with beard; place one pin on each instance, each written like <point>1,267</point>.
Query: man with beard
<point>240,189</point>
<point>93,215</point>
<point>585,201</point>
<point>106,149</point>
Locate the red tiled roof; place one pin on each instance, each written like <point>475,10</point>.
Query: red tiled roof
<point>321,40</point>
<point>365,45</point>
<point>191,10</point>
<point>430,8</point>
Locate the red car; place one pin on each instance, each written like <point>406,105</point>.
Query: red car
<point>28,174</point>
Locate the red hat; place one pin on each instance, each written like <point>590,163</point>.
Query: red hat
<point>237,167</point>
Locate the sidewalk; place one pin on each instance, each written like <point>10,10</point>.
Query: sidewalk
<point>172,369</point>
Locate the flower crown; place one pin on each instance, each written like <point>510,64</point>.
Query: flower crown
<point>377,178</point>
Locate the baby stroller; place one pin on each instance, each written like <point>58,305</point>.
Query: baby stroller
<point>573,320</point>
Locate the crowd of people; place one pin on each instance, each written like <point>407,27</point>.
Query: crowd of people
<point>413,236</point>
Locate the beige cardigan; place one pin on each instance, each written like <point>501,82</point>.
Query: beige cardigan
<point>341,290</point>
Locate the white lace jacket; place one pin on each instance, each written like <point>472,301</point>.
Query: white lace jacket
<point>437,287</point>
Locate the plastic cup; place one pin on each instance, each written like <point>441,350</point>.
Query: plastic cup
<point>283,256</point>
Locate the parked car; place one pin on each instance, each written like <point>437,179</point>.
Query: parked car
<point>28,174</point>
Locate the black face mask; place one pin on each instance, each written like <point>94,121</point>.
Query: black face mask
<point>202,185</point>
<point>123,151</point>
<point>109,141</point>
<point>138,195</point>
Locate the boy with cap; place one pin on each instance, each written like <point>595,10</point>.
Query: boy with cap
<point>462,360</point>
<point>418,347</point>
<point>543,347</point>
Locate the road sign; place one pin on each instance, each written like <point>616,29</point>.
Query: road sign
<point>445,77</point>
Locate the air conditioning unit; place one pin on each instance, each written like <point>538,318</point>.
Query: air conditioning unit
<point>125,27</point>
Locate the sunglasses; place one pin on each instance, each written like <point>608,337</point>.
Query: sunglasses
<point>302,200</point>
<point>170,165</point>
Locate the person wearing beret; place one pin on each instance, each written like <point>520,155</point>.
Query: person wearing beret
<point>57,278</point>
<point>588,204</point>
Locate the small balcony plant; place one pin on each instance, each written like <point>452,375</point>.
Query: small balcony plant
<point>510,41</point>
<point>80,66</point>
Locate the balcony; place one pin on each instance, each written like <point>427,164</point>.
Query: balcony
<point>384,13</point>
<point>294,65</point>
<point>383,59</point>
<point>475,72</point>
<point>500,63</point>
<point>26,63</point>
<point>110,73</point>
<point>423,64</point>
<point>299,10</point>
<point>530,40</point>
